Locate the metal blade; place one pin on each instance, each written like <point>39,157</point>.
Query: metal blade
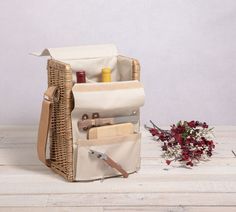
<point>99,155</point>
<point>126,119</point>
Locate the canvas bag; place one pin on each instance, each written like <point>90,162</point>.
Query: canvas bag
<point>82,99</point>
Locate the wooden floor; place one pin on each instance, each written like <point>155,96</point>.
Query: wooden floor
<point>27,185</point>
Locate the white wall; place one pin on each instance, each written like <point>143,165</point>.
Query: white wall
<point>187,50</point>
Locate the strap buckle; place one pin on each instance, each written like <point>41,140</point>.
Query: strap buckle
<point>52,95</point>
<point>45,97</point>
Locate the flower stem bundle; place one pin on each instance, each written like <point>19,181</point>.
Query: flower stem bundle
<point>186,142</point>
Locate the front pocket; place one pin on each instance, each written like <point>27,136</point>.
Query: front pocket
<point>124,150</point>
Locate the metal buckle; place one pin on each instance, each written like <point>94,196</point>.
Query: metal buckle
<point>45,97</point>
<point>95,115</point>
<point>56,96</point>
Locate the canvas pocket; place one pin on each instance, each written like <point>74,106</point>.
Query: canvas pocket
<point>124,150</point>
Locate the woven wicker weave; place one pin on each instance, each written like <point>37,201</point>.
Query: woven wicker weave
<point>61,141</point>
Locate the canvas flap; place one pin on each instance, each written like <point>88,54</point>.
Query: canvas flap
<point>80,52</point>
<point>108,97</point>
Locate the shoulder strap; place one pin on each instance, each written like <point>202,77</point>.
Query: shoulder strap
<point>45,118</point>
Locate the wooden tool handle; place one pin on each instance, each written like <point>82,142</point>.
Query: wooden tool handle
<point>104,121</point>
<point>116,166</point>
<point>88,123</point>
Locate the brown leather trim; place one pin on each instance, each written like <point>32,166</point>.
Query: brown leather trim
<point>106,86</point>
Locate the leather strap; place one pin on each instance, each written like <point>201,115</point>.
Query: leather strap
<point>45,119</point>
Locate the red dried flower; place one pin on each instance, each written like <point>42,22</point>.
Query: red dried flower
<point>204,125</point>
<point>154,132</point>
<point>191,124</point>
<point>187,142</point>
<point>189,163</point>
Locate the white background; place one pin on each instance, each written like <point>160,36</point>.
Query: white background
<point>186,48</point>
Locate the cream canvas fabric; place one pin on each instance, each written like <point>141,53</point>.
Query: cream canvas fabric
<point>92,58</point>
<point>80,52</point>
<point>114,99</point>
<point>107,97</point>
<point>125,150</point>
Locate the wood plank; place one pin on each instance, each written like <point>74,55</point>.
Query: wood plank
<point>144,209</point>
<point>169,209</point>
<point>23,200</point>
<point>42,181</point>
<point>51,209</point>
<point>134,186</point>
<point>120,199</point>
<point>24,155</point>
<point>118,209</point>
<point>210,209</point>
<point>170,199</point>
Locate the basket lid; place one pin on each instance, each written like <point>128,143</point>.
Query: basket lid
<point>80,52</point>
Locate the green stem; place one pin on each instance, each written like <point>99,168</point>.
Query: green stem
<point>164,131</point>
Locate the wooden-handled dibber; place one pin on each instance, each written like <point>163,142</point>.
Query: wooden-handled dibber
<point>109,161</point>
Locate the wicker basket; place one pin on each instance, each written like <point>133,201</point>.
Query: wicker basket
<point>61,141</point>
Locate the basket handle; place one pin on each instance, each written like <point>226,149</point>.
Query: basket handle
<point>45,119</point>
